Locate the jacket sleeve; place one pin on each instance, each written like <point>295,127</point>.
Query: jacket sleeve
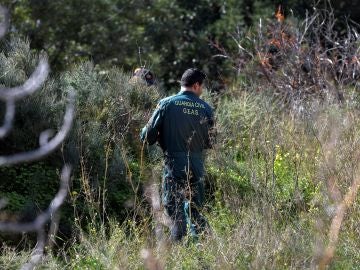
<point>151,131</point>
<point>211,139</point>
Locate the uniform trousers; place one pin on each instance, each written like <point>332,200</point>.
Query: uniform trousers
<point>183,193</point>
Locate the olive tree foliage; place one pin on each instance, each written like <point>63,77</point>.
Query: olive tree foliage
<point>48,142</point>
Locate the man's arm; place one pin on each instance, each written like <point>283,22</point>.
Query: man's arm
<point>151,131</point>
<point>211,130</point>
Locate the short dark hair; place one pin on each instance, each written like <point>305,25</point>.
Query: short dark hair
<point>192,76</point>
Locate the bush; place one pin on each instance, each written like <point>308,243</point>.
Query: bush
<point>110,112</point>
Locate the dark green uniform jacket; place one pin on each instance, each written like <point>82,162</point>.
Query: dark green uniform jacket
<point>181,124</point>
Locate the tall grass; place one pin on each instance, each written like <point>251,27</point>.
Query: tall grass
<point>277,178</point>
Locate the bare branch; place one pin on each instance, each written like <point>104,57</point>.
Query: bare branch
<point>308,22</point>
<point>38,224</point>
<point>8,119</point>
<point>40,221</point>
<point>3,203</point>
<point>45,148</point>
<point>30,86</point>
<point>337,221</point>
<point>4,25</point>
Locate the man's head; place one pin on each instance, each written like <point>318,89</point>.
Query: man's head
<point>144,74</point>
<point>193,80</point>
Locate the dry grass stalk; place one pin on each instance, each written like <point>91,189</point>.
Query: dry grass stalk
<point>337,220</point>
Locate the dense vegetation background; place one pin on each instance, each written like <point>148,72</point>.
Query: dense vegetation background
<point>171,35</point>
<point>286,98</point>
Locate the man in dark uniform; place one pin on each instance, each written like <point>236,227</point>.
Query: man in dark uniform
<point>182,124</point>
<point>143,75</point>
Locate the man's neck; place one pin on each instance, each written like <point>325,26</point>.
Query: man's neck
<point>184,88</point>
<point>188,89</point>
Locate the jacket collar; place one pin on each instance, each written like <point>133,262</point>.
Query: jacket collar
<point>186,92</point>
